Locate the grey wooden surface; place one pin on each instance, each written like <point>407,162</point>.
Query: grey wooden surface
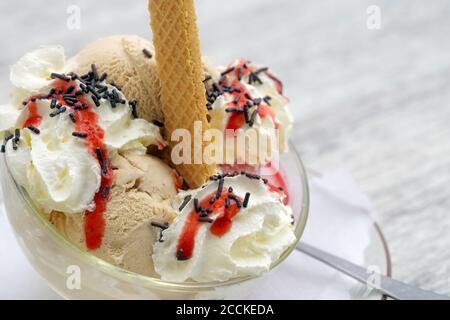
<point>376,102</point>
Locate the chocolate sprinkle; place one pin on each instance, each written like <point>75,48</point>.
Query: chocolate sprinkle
<point>147,53</point>
<point>261,70</point>
<point>70,89</point>
<point>184,203</point>
<point>8,137</point>
<point>267,99</point>
<point>101,159</point>
<point>229,70</point>
<point>246,199</point>
<point>72,118</point>
<point>96,101</point>
<point>227,203</point>
<point>162,226</point>
<point>181,256</point>
<point>257,101</point>
<point>253,118</point>
<point>158,123</point>
<point>246,116</point>
<point>81,135</point>
<point>207,78</point>
<point>234,110</point>
<point>105,191</point>
<point>57,112</point>
<point>197,205</point>
<point>53,103</point>
<point>102,89</point>
<point>219,188</point>
<point>3,149</point>
<point>94,72</point>
<point>103,77</point>
<point>205,219</point>
<point>239,74</point>
<point>84,88</point>
<point>116,86</point>
<point>252,176</point>
<point>133,106</point>
<point>34,129</point>
<point>93,91</point>
<point>17,135</point>
<point>59,76</point>
<point>236,199</point>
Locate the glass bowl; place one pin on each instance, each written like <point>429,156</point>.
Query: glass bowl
<point>64,265</point>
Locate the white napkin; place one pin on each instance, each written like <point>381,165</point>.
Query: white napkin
<point>338,222</point>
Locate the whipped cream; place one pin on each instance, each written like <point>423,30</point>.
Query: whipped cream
<point>273,121</point>
<point>8,118</point>
<point>56,168</point>
<point>32,72</point>
<point>259,234</point>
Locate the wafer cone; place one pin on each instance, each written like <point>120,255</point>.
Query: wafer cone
<point>177,48</point>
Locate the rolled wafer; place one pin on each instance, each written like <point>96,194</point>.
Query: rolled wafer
<point>179,65</point>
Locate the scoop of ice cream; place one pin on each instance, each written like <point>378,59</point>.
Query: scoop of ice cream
<point>248,101</point>
<point>123,59</point>
<point>129,62</point>
<point>230,228</point>
<point>65,133</point>
<point>141,195</point>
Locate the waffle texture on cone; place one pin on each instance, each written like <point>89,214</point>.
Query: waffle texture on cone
<point>177,48</point>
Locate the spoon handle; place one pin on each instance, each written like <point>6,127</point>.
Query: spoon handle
<point>390,287</point>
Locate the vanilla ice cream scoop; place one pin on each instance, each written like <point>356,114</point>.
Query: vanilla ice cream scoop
<point>234,226</point>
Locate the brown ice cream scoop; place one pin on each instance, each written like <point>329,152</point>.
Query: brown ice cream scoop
<point>140,198</point>
<point>129,61</point>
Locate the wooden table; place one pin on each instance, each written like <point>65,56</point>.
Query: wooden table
<point>376,102</point>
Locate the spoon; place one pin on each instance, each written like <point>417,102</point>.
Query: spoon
<point>392,288</point>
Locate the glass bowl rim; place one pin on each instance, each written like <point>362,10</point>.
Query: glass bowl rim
<point>151,282</point>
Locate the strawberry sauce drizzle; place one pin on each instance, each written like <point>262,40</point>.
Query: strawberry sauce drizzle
<point>241,97</point>
<point>34,118</point>
<point>221,225</point>
<point>86,121</point>
<point>275,178</point>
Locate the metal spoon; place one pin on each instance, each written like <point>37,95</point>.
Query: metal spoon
<point>390,287</point>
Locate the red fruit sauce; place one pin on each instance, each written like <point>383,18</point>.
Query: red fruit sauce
<point>241,96</point>
<point>86,121</point>
<point>275,178</point>
<point>221,225</point>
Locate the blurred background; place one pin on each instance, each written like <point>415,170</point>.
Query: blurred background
<point>369,96</point>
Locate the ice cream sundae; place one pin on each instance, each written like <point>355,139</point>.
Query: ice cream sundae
<point>91,141</point>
